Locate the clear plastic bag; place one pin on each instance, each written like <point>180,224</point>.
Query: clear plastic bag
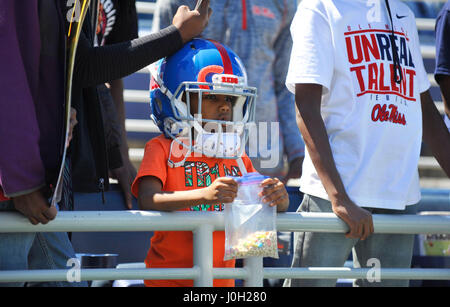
<point>250,225</point>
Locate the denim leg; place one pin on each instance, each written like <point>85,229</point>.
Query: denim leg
<point>391,250</point>
<point>51,251</point>
<point>314,249</point>
<point>14,248</point>
<point>22,251</point>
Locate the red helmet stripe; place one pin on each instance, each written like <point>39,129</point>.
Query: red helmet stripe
<point>228,68</point>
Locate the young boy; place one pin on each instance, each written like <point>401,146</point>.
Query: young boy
<point>204,78</point>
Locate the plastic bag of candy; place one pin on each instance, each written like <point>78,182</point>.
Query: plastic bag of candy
<point>250,225</point>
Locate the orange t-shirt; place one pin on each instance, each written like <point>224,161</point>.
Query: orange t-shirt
<point>173,249</point>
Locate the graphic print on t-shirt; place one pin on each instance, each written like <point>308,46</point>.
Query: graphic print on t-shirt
<point>370,55</point>
<point>205,176</point>
<point>106,19</point>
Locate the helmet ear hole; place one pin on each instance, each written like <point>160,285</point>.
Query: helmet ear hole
<point>159,104</point>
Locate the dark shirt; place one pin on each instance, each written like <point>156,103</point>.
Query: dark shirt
<point>443,42</point>
<point>32,94</point>
<point>117,21</point>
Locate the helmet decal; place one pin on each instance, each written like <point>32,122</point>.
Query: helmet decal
<point>212,69</point>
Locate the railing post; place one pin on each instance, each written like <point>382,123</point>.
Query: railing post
<point>255,274</point>
<point>203,255</point>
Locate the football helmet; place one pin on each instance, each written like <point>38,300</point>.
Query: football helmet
<point>202,66</point>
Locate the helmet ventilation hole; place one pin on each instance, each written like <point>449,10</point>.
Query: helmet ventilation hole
<point>159,103</point>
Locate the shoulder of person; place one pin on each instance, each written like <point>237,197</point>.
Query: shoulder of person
<point>321,7</point>
<point>159,141</point>
<point>315,3</point>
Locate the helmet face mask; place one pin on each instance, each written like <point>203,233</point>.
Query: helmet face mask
<point>201,68</point>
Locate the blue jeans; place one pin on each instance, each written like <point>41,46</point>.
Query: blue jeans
<point>43,251</point>
<point>333,249</point>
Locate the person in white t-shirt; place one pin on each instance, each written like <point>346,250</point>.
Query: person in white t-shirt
<point>362,109</point>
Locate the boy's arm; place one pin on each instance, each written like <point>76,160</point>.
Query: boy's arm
<point>151,196</point>
<point>308,99</point>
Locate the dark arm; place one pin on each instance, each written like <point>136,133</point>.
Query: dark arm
<point>435,133</point>
<point>96,65</point>
<point>444,84</point>
<point>308,99</point>
<point>102,64</point>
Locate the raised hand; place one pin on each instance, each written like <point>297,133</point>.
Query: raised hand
<point>192,23</point>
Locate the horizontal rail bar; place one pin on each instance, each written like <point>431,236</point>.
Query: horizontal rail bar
<point>98,274</point>
<point>427,24</point>
<point>332,273</point>
<point>112,221</point>
<point>141,96</point>
<point>145,7</point>
<point>141,125</point>
<point>230,273</point>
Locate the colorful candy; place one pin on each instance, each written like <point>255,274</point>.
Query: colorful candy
<point>257,244</point>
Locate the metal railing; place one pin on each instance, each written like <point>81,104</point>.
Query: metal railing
<point>202,224</point>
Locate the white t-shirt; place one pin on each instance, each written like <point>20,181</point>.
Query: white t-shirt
<point>374,125</point>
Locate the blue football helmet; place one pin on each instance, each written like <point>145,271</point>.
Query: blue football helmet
<point>202,66</point>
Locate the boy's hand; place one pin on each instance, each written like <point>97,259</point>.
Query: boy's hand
<point>192,23</point>
<point>222,190</point>
<point>275,194</point>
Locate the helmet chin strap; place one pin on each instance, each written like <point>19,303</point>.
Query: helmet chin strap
<point>219,138</point>
<point>172,164</point>
<point>210,145</point>
<point>216,144</point>
<point>241,166</point>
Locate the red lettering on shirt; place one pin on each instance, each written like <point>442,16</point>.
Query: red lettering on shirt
<point>382,114</point>
<point>262,11</point>
<point>370,56</point>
